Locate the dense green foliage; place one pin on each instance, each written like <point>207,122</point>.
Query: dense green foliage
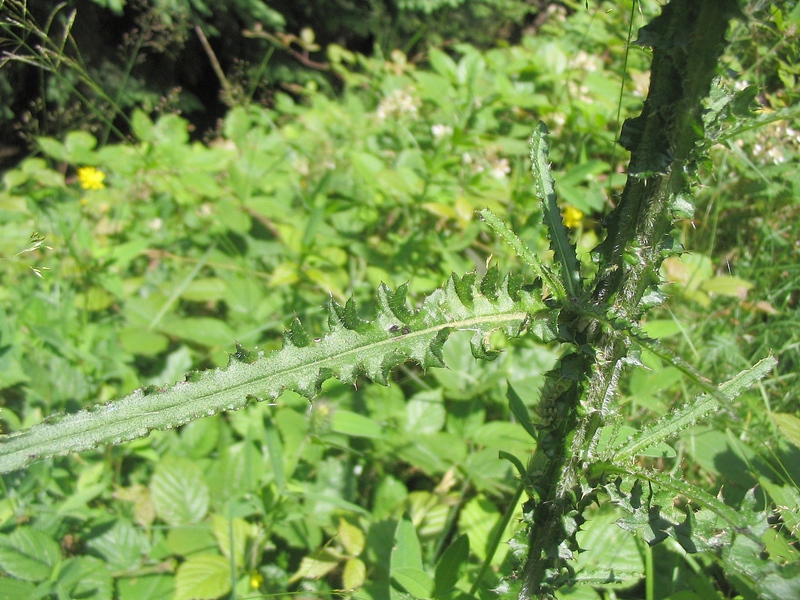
<point>88,65</point>
<point>160,253</point>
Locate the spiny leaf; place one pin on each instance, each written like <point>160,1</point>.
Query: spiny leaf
<point>559,236</point>
<point>347,315</point>
<point>395,302</point>
<point>464,287</point>
<point>244,355</point>
<point>296,335</point>
<point>481,348</point>
<point>541,270</point>
<point>514,285</point>
<point>635,332</point>
<point>490,283</point>
<point>735,534</point>
<point>655,515</point>
<point>678,420</point>
<point>353,347</point>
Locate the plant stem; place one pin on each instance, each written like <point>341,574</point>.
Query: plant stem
<point>687,40</point>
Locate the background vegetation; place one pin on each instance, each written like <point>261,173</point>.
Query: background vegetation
<point>161,240</point>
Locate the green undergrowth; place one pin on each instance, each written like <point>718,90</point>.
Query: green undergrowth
<point>160,256</point>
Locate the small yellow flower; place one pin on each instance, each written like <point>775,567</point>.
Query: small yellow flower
<point>256,579</point>
<point>91,178</point>
<point>572,217</point>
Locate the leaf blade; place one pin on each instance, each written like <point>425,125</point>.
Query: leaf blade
<point>565,252</point>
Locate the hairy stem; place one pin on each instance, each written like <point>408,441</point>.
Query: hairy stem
<point>687,41</point>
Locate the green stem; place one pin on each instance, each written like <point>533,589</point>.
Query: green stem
<point>687,40</point>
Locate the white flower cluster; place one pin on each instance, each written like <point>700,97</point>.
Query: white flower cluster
<point>398,104</point>
<point>580,92</point>
<point>773,142</point>
<point>583,61</point>
<point>440,131</point>
<point>499,168</point>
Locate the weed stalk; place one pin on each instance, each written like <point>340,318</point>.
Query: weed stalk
<point>687,40</point>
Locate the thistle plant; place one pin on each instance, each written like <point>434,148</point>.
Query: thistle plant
<point>581,456</point>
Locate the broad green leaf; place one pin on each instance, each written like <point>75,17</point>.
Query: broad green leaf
<point>502,435</point>
<point>354,424</point>
<point>337,502</point>
<point>205,331</point>
<point>79,147</point>
<point>275,447</point>
<point>171,133</point>
<point>238,469</point>
<point>367,165</point>
<point>407,553</point>
<point>354,574</point>
<point>434,453</point>
<point>316,565</point>
<point>414,581</point>
<point>789,426</point>
<point>689,272</point>
<point>141,125</point>
<point>433,87</point>
<point>86,577</point>
<point>28,554</point>
<point>178,362</point>
<point>443,64</point>
<point>52,148</point>
<point>142,341</point>
<point>232,534</point>
<point>477,519</point>
<point>203,577</point>
<point>191,539</point>
<point>15,589</point>
<point>352,538</point>
<point>485,471</point>
<point>389,494</point>
<point>94,299</point>
<point>179,492</point>
<point>209,289</point>
<point>451,566</point>
<point>121,545</point>
<point>661,328</point>
<point>578,592</point>
<point>579,173</point>
<point>200,437</point>
<point>733,287</point>
<point>425,412</point>
<point>232,215</point>
<point>146,587</point>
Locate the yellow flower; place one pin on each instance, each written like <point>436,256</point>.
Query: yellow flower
<point>572,217</point>
<point>91,178</point>
<point>256,579</point>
